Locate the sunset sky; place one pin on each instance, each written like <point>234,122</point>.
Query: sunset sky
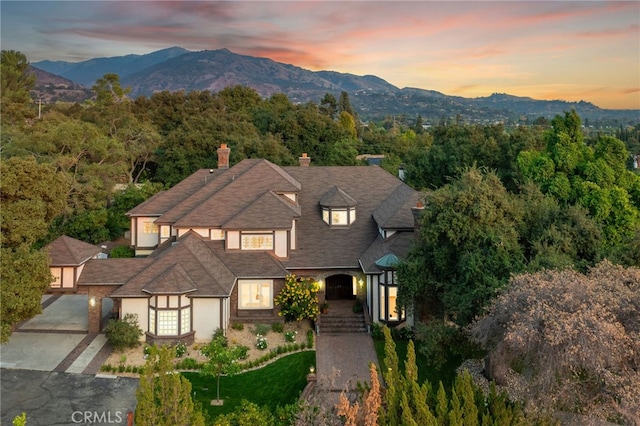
<point>569,50</point>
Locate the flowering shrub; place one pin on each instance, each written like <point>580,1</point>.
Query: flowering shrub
<point>298,299</point>
<point>181,349</point>
<point>261,342</point>
<point>290,336</point>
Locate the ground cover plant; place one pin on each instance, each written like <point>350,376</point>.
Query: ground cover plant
<point>276,384</point>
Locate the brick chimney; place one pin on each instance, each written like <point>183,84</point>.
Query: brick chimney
<point>417,215</point>
<point>223,156</point>
<point>304,160</point>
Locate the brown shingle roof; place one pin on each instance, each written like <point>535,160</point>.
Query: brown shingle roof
<point>175,280</point>
<point>336,197</point>
<point>270,211</point>
<point>164,201</point>
<point>214,183</point>
<point>321,246</point>
<point>240,192</point>
<point>398,244</point>
<point>395,211</point>
<point>111,271</point>
<point>207,272</point>
<point>67,251</point>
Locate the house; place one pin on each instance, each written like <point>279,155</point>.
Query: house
<point>67,259</point>
<point>219,244</point>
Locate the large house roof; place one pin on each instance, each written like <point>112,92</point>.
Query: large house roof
<point>164,201</point>
<point>323,246</point>
<point>198,267</point>
<point>258,195</point>
<point>269,211</point>
<point>111,271</point>
<point>395,211</point>
<point>67,251</point>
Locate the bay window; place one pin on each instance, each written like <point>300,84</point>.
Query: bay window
<point>169,315</point>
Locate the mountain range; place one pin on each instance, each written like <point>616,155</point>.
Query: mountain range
<point>176,69</point>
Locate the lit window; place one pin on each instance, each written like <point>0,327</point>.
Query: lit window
<point>152,321</point>
<point>167,318</point>
<point>217,234</point>
<point>257,242</point>
<point>167,323</point>
<point>338,216</point>
<point>255,294</point>
<point>185,320</point>
<point>149,227</point>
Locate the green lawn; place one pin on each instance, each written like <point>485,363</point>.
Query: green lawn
<point>278,383</point>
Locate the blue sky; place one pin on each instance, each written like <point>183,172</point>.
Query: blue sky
<point>570,50</point>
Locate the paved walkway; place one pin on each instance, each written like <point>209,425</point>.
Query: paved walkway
<point>342,360</point>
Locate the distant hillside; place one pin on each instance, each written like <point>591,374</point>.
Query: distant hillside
<point>87,72</point>
<point>176,69</point>
<point>52,88</point>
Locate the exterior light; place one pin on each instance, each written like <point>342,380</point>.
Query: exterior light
<point>92,302</point>
<point>320,284</point>
<point>361,283</point>
<point>312,369</point>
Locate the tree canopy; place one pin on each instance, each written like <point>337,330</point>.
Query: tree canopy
<point>571,339</point>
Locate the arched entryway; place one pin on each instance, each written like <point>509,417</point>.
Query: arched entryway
<point>340,287</point>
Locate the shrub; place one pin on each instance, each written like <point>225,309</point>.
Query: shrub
<point>124,333</point>
<point>146,351</point>
<point>122,252</point>
<point>277,327</point>
<point>310,338</point>
<point>243,351</point>
<point>358,308</point>
<point>404,333</point>
<point>298,299</point>
<point>261,329</point>
<point>376,331</point>
<point>237,326</point>
<point>219,334</point>
<point>261,342</point>
<point>290,336</point>
<point>188,364</point>
<point>181,349</point>
<point>121,368</point>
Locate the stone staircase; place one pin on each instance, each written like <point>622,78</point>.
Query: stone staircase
<point>341,319</point>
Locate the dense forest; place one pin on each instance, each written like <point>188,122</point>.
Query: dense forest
<point>499,201</point>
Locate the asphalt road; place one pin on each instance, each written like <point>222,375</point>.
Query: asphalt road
<point>53,398</point>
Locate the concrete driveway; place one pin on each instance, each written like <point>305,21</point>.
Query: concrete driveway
<point>49,370</point>
<point>56,339</point>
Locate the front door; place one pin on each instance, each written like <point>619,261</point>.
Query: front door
<point>340,287</point>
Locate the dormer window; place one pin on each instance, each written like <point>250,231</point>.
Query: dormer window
<point>336,216</point>
<point>338,208</point>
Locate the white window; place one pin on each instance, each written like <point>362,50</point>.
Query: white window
<point>338,216</point>
<point>152,321</point>
<point>149,227</point>
<point>255,294</point>
<point>57,277</point>
<point>185,320</point>
<point>217,234</point>
<point>167,323</point>
<point>257,241</point>
<point>169,315</point>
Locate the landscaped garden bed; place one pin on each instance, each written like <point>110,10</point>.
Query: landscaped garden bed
<point>264,342</point>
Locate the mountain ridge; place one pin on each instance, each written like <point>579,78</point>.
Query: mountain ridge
<point>176,68</point>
